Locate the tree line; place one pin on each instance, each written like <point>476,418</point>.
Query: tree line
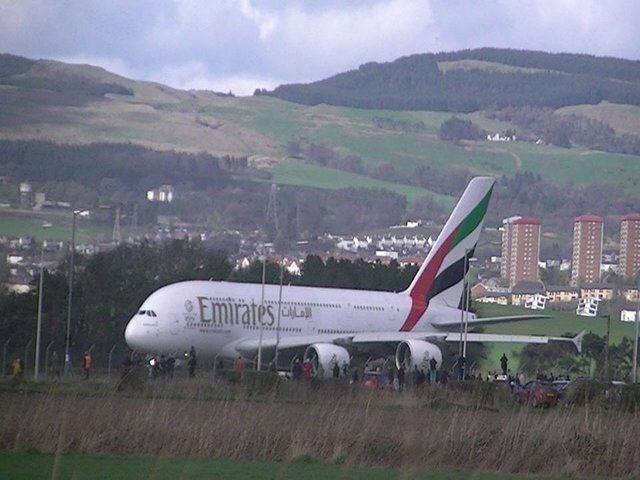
<point>417,83</point>
<point>110,286</point>
<point>568,130</point>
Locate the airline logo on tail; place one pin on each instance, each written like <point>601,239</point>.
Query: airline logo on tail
<point>440,276</point>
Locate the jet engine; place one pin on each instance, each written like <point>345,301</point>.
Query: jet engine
<point>412,353</point>
<point>324,356</point>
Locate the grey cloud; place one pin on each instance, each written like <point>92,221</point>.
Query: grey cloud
<point>241,44</point>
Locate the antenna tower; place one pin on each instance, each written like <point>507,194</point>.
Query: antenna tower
<point>116,237</point>
<point>272,208</point>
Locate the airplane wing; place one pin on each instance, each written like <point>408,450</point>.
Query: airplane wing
<point>500,338</point>
<point>249,347</point>
<point>448,322</point>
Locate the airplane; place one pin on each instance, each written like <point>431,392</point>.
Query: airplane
<point>226,320</point>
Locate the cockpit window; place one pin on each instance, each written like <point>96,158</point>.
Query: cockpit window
<point>149,313</point>
<point>142,312</point>
<point>153,314</point>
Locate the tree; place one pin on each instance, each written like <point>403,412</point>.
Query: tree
<point>456,129</point>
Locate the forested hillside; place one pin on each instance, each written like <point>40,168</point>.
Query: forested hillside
<point>420,82</point>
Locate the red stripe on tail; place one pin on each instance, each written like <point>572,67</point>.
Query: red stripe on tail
<point>424,282</point>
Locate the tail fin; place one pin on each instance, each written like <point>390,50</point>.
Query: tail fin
<point>440,278</point>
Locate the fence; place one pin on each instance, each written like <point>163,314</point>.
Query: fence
<point>105,361</point>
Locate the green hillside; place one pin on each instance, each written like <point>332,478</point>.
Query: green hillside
<point>43,100</point>
<point>560,324</point>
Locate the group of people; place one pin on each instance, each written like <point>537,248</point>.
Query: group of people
<point>166,365</point>
<point>304,370</point>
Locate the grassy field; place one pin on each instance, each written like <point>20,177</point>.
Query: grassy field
<point>310,430</point>
<point>30,224</point>
<point>560,324</point>
<point>295,172</point>
<point>622,118</point>
<point>35,466</point>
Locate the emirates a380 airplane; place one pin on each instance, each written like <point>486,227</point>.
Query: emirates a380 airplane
<point>224,319</point>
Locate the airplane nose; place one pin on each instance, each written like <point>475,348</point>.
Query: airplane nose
<point>133,334</point>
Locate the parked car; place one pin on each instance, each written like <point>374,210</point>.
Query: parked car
<point>537,394</point>
<point>560,387</point>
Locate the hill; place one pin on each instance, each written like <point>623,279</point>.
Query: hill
<point>329,147</point>
<point>471,80</point>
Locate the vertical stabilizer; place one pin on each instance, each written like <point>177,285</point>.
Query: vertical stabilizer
<point>441,275</point>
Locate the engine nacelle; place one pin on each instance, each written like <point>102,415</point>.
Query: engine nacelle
<point>412,353</point>
<point>324,356</point>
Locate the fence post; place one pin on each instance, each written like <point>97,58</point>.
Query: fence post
<point>46,360</point>
<point>26,355</point>
<point>110,357</point>
<point>4,356</point>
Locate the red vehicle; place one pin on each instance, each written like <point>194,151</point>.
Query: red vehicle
<point>375,381</point>
<point>537,394</point>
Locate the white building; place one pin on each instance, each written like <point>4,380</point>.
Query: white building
<point>164,194</point>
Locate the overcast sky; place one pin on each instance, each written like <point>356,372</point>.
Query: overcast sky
<point>240,45</point>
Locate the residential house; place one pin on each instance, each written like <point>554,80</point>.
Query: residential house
<point>602,291</point>
<point>562,294</point>
<point>525,291</point>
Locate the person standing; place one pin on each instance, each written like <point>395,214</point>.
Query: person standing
<point>192,362</point>
<point>345,369</point>
<point>238,365</point>
<point>86,364</point>
<point>307,369</point>
<point>55,364</point>
<point>16,368</point>
<point>433,365</point>
<point>171,365</point>
<point>504,362</point>
<point>461,372</point>
<point>401,378</point>
<point>336,370</point>
<point>296,369</point>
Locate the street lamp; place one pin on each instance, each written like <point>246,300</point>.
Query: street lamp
<point>464,313</point>
<point>36,369</point>
<point>67,353</point>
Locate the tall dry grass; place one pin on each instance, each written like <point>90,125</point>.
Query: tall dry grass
<point>434,429</point>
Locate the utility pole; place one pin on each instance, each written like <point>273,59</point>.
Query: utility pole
<point>36,369</point>
<point>464,283</point>
<point>67,352</point>
<point>634,374</point>
<point>261,309</point>
<point>606,347</point>
<point>275,357</point>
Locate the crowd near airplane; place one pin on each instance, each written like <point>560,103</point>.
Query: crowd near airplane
<point>228,320</point>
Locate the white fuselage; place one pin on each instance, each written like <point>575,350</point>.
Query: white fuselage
<point>211,316</point>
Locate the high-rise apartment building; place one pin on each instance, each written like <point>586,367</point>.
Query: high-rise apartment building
<point>630,245</point>
<point>587,249</point>
<point>520,249</point>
